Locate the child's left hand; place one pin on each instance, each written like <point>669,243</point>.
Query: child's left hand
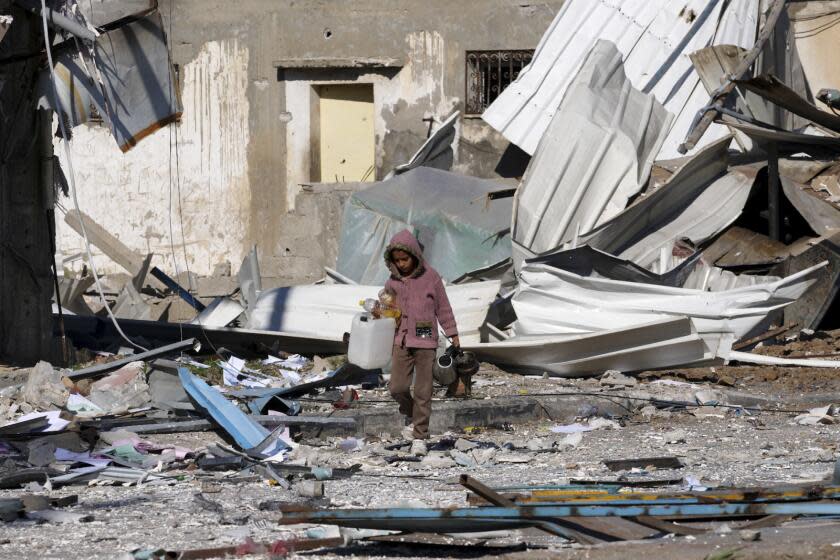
<point>456,342</point>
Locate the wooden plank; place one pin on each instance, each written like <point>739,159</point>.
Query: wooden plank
<point>762,337</point>
<point>561,528</point>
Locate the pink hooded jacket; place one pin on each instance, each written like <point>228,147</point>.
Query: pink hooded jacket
<point>421,298</point>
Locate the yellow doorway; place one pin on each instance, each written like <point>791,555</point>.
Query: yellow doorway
<point>347,137</point>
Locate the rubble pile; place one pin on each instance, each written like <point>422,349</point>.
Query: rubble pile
<point>651,307</point>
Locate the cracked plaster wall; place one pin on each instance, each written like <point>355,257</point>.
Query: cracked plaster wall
<point>246,132</point>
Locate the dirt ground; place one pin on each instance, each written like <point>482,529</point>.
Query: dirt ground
<point>718,446</point>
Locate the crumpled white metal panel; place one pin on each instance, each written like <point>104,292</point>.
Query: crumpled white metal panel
<point>577,180</point>
<point>699,201</point>
<point>658,344</point>
<point>326,311</point>
<point>554,301</point>
<point>654,36</point>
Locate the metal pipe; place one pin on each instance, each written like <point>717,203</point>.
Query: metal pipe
<point>55,19</point>
<point>177,288</point>
<point>535,514</point>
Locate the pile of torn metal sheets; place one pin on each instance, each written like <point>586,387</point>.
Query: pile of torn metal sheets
<point>629,259</point>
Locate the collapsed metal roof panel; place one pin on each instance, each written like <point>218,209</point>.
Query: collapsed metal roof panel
<point>655,37</point>
<point>658,343</point>
<point>700,200</point>
<point>577,181</point>
<point>326,311</point>
<point>599,304</point>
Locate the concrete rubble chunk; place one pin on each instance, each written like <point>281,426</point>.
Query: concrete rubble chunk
<point>437,460</point>
<point>675,436</point>
<point>462,459</point>
<point>121,390</point>
<point>462,444</point>
<point>41,453</point>
<point>55,516</point>
<point>613,378</point>
<point>44,388</point>
<point>310,489</point>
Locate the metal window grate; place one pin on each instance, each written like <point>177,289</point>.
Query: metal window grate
<point>489,73</point>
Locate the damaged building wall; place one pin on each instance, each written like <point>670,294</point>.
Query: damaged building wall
<point>251,77</point>
<point>129,194</point>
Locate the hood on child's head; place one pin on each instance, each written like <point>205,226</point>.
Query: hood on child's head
<point>404,241</point>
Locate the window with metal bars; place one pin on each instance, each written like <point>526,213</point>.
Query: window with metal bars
<point>489,73</point>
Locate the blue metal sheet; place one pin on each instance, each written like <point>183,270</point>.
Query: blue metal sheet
<point>467,519</point>
<point>245,431</point>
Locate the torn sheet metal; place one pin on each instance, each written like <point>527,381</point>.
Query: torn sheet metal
<point>821,215</point>
<point>576,182</point>
<point>90,332</point>
<point>787,141</point>
<point>661,343</point>
<point>326,311</point>
<point>248,435</point>
<point>810,310</point>
<point>655,39</point>
<point>137,94</point>
<point>250,278</point>
<point>436,151</point>
<point>100,13</point>
<point>714,64</point>
<point>80,98</point>
<point>743,248</point>
<point>708,278</point>
<point>553,301</point>
<point>772,89</point>
<point>219,313</point>
<point>586,261</point>
<point>139,82</point>
<point>461,229</point>
<point>699,201</point>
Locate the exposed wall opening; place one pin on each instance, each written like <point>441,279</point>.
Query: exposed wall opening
<point>488,73</point>
<point>346,139</point>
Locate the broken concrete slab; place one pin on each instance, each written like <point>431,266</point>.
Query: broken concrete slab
<point>44,388</point>
<point>607,161</point>
<point>131,305</point>
<point>121,390</point>
<point>221,312</point>
<point>115,249</point>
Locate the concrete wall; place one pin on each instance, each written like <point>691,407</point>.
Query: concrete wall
<point>245,141</point>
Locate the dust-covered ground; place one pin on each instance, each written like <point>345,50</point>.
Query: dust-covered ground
<point>726,445</point>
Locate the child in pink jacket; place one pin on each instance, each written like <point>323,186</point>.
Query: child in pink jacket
<point>422,300</point>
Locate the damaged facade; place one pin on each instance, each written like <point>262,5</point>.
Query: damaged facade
<point>633,339</point>
<point>271,92</point>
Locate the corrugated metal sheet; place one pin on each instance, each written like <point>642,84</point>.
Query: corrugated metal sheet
<point>700,200</point>
<point>577,181</point>
<point>326,311</point>
<point>658,343</point>
<point>553,301</point>
<point>655,37</point>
